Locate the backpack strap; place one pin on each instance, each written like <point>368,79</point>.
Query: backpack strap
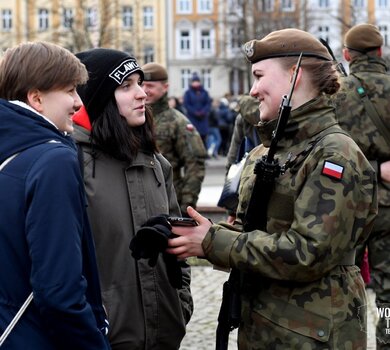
<point>371,110</point>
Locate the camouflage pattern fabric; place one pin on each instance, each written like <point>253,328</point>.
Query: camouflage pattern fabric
<point>179,142</point>
<point>352,117</point>
<point>248,117</point>
<point>301,289</point>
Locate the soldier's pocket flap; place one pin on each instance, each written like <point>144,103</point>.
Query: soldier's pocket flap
<point>293,318</point>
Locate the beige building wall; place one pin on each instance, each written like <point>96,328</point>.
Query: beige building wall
<point>146,42</point>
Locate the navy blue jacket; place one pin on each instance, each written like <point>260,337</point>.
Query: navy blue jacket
<point>46,244</point>
<point>198,106</point>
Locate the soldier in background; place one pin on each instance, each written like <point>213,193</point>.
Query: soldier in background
<point>300,287</point>
<point>356,114</point>
<point>244,139</point>
<point>177,139</point>
<point>244,129</point>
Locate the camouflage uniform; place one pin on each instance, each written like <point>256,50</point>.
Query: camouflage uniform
<point>352,116</point>
<point>181,144</point>
<point>244,126</point>
<point>301,289</point>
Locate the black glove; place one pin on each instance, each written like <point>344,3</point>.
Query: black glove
<point>173,270</point>
<point>151,239</point>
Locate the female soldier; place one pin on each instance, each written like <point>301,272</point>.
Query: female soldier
<point>300,288</point>
<point>127,181</point>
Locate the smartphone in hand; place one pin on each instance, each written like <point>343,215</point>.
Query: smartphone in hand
<point>179,221</point>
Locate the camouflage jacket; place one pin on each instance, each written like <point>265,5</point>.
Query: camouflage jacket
<point>244,126</point>
<point>181,144</point>
<point>353,117</point>
<point>301,288</point>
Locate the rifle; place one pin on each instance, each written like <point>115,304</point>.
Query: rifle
<point>339,65</point>
<point>267,168</point>
<point>230,312</point>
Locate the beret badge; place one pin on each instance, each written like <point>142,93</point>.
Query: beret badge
<point>249,51</point>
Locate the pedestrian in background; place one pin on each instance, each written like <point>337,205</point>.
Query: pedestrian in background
<point>46,245</point>
<point>197,102</point>
<point>127,182</point>
<point>363,108</point>
<point>175,102</point>
<point>177,139</point>
<point>226,118</point>
<point>300,287</point>
<point>214,138</point>
<point>245,137</point>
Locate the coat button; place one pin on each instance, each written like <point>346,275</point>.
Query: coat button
<point>321,333</point>
<point>152,162</point>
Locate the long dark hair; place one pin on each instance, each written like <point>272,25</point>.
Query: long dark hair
<point>111,134</point>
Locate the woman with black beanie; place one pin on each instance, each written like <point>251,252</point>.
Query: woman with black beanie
<point>127,181</point>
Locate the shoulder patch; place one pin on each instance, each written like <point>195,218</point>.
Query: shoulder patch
<point>190,127</point>
<point>332,170</point>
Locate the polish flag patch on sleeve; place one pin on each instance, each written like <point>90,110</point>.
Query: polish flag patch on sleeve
<point>332,170</point>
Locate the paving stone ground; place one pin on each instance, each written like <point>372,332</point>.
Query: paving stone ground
<point>207,293</point>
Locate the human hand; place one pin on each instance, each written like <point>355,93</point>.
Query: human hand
<point>189,240</point>
<point>385,171</point>
<point>230,219</point>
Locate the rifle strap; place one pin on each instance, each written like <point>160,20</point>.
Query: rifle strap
<point>371,110</point>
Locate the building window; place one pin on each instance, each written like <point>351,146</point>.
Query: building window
<point>91,18</point>
<point>287,5</point>
<point>185,42</point>
<point>236,35</point>
<point>6,19</point>
<point>206,78</point>
<point>324,33</point>
<point>323,3</point>
<point>358,3</point>
<point>205,40</point>
<point>382,3</point>
<point>205,6</point>
<point>184,6</point>
<point>148,54</point>
<point>127,17</point>
<point>185,78</point>
<point>385,34</point>
<point>148,17</point>
<point>43,19</point>
<point>67,18</point>
<point>267,5</point>
<point>128,48</point>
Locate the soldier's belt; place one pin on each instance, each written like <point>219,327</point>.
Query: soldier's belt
<point>349,258</point>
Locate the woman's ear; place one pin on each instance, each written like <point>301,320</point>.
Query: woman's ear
<point>34,100</point>
<point>299,74</point>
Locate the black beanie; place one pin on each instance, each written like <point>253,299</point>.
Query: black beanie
<point>107,69</point>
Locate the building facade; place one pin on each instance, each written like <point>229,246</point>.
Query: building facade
<point>187,36</point>
<point>135,26</point>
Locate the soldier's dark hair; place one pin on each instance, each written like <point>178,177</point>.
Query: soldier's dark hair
<point>323,74</point>
<point>111,133</point>
<point>355,54</point>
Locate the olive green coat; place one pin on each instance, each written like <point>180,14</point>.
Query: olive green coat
<point>144,311</point>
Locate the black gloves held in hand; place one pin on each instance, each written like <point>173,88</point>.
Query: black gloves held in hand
<point>151,239</point>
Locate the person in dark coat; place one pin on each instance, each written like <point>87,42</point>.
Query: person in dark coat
<point>46,245</point>
<point>128,182</point>
<point>197,103</point>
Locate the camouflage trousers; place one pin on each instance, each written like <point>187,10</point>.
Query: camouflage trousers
<point>378,245</point>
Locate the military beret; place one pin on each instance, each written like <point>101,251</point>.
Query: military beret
<point>154,72</point>
<point>363,38</point>
<point>285,43</point>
